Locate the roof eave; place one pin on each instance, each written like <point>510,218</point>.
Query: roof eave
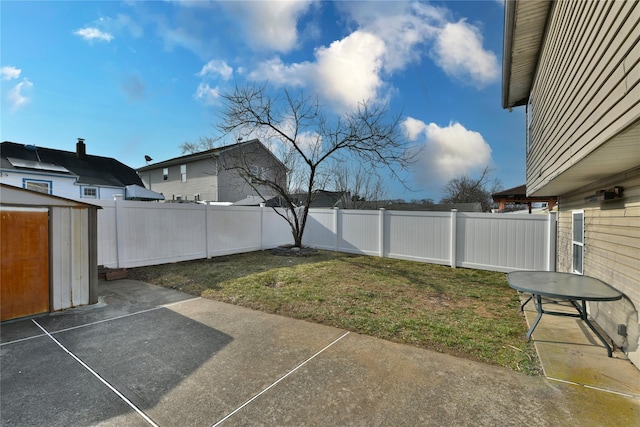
<point>522,21</point>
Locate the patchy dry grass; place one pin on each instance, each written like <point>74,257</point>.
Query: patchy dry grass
<point>467,313</point>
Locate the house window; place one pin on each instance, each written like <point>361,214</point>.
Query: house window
<point>165,174</point>
<point>254,172</point>
<point>90,192</point>
<point>577,245</point>
<point>38,185</point>
<point>183,173</point>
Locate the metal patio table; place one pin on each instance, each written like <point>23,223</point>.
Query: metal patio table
<point>574,288</point>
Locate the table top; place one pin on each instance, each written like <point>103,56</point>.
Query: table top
<point>562,285</point>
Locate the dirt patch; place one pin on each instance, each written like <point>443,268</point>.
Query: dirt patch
<point>290,250</point>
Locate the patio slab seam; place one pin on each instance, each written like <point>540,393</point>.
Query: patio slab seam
<point>97,322</point>
<point>98,377</point>
<point>282,378</point>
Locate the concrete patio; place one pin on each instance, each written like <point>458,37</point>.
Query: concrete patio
<point>146,355</point>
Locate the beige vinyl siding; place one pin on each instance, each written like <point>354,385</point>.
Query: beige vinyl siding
<point>612,251</point>
<point>586,89</point>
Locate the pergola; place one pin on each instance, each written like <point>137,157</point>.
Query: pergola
<point>518,195</point>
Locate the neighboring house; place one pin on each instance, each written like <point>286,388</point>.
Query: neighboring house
<point>216,175</point>
<point>74,175</point>
<point>511,199</point>
<point>575,66</point>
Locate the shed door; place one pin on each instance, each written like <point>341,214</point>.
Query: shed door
<point>24,262</point>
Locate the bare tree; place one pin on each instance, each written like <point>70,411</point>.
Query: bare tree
<point>204,143</point>
<point>465,189</point>
<point>362,189</point>
<point>295,127</point>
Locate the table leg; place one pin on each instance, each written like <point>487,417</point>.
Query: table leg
<point>585,317</point>
<point>525,303</point>
<point>538,304</point>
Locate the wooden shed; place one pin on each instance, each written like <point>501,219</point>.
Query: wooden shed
<point>48,253</point>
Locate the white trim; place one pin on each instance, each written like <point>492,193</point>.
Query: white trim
<point>577,243</point>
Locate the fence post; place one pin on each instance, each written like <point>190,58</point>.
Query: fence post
<point>454,227</point>
<point>262,206</point>
<point>206,229</point>
<point>119,230</point>
<point>381,232</point>
<point>336,224</point>
<point>552,243</point>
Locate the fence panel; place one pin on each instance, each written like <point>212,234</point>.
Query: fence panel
<point>358,232</point>
<point>320,231</point>
<point>158,233</point>
<point>275,229</point>
<point>418,236</point>
<point>107,233</point>
<point>132,234</point>
<point>233,229</point>
<point>502,242</point>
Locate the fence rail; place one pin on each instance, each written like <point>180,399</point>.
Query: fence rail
<point>134,234</point>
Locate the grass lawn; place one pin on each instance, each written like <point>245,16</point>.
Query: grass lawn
<point>467,313</point>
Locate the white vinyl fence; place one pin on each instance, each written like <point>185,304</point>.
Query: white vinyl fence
<point>133,234</point>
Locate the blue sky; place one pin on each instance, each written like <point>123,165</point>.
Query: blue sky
<point>140,78</point>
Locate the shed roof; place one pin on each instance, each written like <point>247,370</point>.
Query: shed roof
<point>16,196</point>
<point>91,170</point>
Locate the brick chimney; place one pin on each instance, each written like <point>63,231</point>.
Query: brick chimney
<point>81,149</point>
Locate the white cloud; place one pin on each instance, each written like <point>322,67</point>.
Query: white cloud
<point>343,74</point>
<point>215,68</point>
<point>17,96</point>
<point>413,128</point>
<point>447,152</point>
<point>10,72</point>
<point>348,71</point>
<point>389,37</point>
<point>458,51</point>
<point>402,26</point>
<point>92,33</point>
<point>206,94</point>
<point>279,73</point>
<point>271,25</point>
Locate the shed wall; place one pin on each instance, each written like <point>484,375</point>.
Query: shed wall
<point>70,252</point>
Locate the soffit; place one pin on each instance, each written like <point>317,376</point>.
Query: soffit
<point>620,154</point>
<point>525,23</point>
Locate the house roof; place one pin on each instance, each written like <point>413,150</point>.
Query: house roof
<point>91,170</point>
<point>204,155</point>
<point>519,191</point>
<point>524,29</point>
<point>321,198</point>
<point>519,195</point>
